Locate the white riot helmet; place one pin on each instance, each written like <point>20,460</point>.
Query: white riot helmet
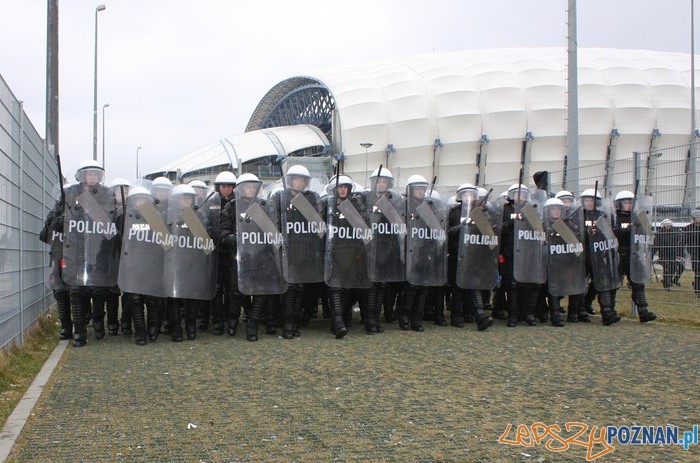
<point>554,208</point>
<point>87,167</point>
<point>243,184</point>
<point>160,188</point>
<point>137,194</point>
<point>119,182</point>
<point>695,213</point>
<point>376,175</point>
<point>467,192</point>
<point>482,192</point>
<point>342,180</point>
<point>225,177</point>
<point>520,190</point>
<point>181,192</point>
<point>297,171</point>
<point>624,195</point>
<point>592,194</point>
<point>247,178</point>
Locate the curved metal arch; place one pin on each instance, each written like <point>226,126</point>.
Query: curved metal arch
<point>299,100</point>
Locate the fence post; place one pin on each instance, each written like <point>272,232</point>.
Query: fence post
<point>21,223</point>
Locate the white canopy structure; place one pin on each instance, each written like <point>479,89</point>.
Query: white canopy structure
<point>459,114</point>
<point>232,152</point>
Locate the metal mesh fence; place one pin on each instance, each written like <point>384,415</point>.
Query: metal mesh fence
<point>27,176</point>
<point>667,177</point>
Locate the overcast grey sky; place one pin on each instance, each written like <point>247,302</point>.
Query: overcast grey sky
<point>181,74</point>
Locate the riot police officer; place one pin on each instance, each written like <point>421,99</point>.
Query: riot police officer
<point>228,300</point>
<point>602,257</point>
<point>89,248</point>
<point>426,255</point>
<point>691,241</point>
<point>387,266</point>
<point>635,239</point>
<point>160,189</point>
<point>60,291</point>
<point>303,233</point>
<point>120,187</point>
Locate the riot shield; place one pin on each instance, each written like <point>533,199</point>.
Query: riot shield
<point>347,239</point>
<point>89,237</point>
<point>530,258</point>
<point>566,258</point>
<point>479,245</point>
<point>387,251</point>
<point>603,249</point>
<point>641,241</point>
<point>144,244</point>
<point>303,236</point>
<point>189,268</point>
<point>259,243</point>
<point>426,240</point>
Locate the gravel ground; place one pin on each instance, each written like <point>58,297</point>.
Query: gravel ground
<point>443,395</point>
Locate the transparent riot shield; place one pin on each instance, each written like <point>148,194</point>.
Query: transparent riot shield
<point>304,234</point>
<point>566,257</point>
<point>89,237</point>
<point>603,249</point>
<point>479,245</point>
<point>347,240</point>
<point>530,259</point>
<point>145,241</point>
<point>641,240</point>
<point>387,251</point>
<point>259,243</point>
<point>189,268</point>
<point>54,239</point>
<point>426,240</point>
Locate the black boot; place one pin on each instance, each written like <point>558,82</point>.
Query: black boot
<point>406,307</point>
<point>640,298</point>
<point>251,330</point>
<point>203,315</point>
<point>457,307</point>
<point>483,321</point>
<point>335,302</point>
<point>152,312</point>
<point>191,309</point>
<point>63,304</point>
<point>531,296</point>
<point>419,308</point>
<point>175,315</point>
<point>438,301</point>
<point>112,303</point>
<point>554,312</point>
<point>98,314</point>
<point>76,300</point>
<point>127,316</point>
<point>288,313</point>
<point>135,304</point>
<point>513,306</point>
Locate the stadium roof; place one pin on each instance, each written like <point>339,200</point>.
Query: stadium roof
<point>439,109</point>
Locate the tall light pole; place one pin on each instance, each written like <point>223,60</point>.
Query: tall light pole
<point>137,164</point>
<point>366,146</point>
<point>106,105</point>
<point>94,108</point>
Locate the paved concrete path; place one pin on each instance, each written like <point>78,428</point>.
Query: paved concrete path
<point>447,394</point>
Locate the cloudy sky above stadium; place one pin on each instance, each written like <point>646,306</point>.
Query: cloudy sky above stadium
<point>181,74</point>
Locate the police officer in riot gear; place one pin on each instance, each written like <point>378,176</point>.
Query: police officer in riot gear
<point>90,237</point>
<point>473,255</point>
<point>303,231</point>
<point>228,300</point>
<point>120,187</point>
<point>426,256</point>
<point>160,189</point>
<point>347,236</point>
<point>523,251</point>
<point>631,238</point>
<point>691,241</point>
<point>60,291</point>
<point>602,258</point>
<point>387,263</point>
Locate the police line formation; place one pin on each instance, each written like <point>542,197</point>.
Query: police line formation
<point>184,252</point>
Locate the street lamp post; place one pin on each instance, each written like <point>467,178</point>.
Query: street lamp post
<point>94,108</point>
<point>366,146</point>
<point>106,105</point>
<point>137,164</point>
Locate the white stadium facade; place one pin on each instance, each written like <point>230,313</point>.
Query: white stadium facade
<point>471,116</point>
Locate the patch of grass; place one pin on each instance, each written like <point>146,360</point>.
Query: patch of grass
<point>677,306</point>
<point>20,364</point>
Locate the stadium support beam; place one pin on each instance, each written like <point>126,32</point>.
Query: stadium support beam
<point>572,174</point>
<point>481,158</point>
<point>610,157</point>
<point>651,160</point>
<point>525,154</point>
